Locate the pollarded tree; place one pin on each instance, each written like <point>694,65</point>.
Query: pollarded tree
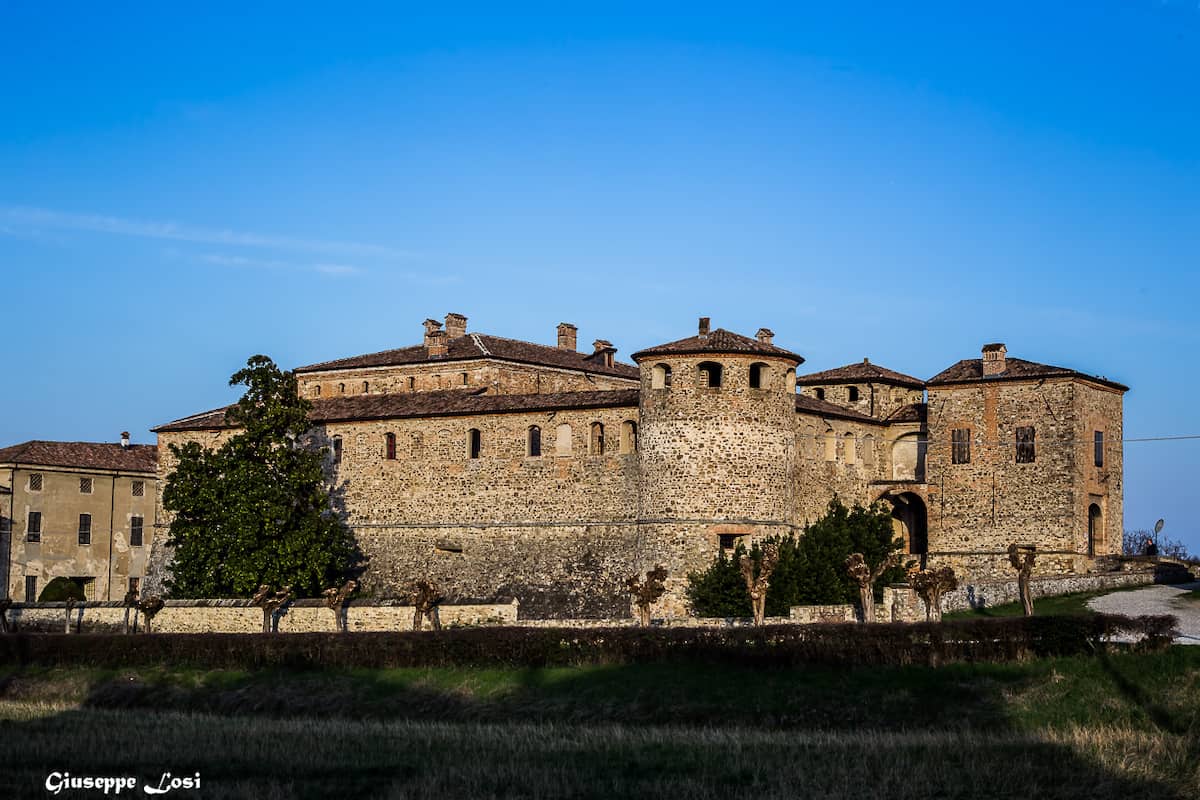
<point>757,576</point>
<point>1022,560</point>
<point>930,585</point>
<point>256,510</point>
<point>647,592</point>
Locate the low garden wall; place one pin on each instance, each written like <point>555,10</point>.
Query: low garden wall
<point>242,616</point>
<point>901,604</point>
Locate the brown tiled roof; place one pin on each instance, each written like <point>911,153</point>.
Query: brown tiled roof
<point>452,403</point>
<point>479,345</point>
<point>83,455</point>
<point>1016,369</point>
<point>811,405</point>
<point>914,412</point>
<point>860,372</point>
<point>718,341</point>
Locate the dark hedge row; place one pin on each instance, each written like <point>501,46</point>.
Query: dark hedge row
<point>1003,639</point>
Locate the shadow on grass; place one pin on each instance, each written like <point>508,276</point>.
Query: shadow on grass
<point>586,732</point>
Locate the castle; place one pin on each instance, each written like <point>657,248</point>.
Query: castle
<point>507,468</point>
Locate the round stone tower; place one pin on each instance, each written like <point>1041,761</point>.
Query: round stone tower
<point>717,446</point>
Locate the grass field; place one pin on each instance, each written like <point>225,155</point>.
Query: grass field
<point>1121,725</point>
<point>1075,603</point>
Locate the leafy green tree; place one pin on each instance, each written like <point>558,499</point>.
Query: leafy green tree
<point>811,568</point>
<point>256,510</point>
<point>61,589</point>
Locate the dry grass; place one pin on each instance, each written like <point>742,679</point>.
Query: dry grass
<point>265,758</point>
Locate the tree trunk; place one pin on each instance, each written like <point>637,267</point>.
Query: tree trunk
<point>866,596</point>
<point>417,618</point>
<point>933,611</point>
<point>435,621</point>
<point>67,627</point>
<point>266,620</point>
<point>1026,594</point>
<point>126,624</point>
<point>147,623</point>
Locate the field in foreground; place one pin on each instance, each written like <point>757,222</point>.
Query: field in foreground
<point>1124,725</point>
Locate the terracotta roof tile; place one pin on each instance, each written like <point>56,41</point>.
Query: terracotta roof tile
<point>718,341</point>
<point>458,402</point>
<point>971,369</point>
<point>83,455</point>
<point>811,405</point>
<point>479,345</point>
<point>864,372</point>
<point>914,412</point>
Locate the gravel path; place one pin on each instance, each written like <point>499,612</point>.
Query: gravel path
<point>1156,600</point>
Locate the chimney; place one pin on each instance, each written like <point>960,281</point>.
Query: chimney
<point>993,359</point>
<point>431,325</point>
<point>567,336</point>
<point>765,335</point>
<point>704,321</point>
<point>456,325</point>
<point>436,342</point>
<point>604,352</point>
<point>124,438</point>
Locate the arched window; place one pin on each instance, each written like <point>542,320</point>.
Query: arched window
<point>562,440</point>
<point>462,378</point>
<point>336,449</point>
<point>628,436</point>
<point>412,384</point>
<point>366,386</point>
<point>317,390</point>
<point>868,450</point>
<point>819,393</point>
<point>830,445</point>
<point>660,377</point>
<point>596,440</point>
<point>791,381</point>
<point>533,447</point>
<point>389,446</point>
<point>853,392</point>
<point>758,376</point>
<point>849,450</point>
<point>474,443</point>
<point>341,388</point>
<point>708,374</point>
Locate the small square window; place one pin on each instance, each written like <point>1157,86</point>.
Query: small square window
<point>85,485</point>
<point>35,482</point>
<point>139,489</point>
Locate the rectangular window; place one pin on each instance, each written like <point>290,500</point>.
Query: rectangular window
<point>135,531</point>
<point>139,489</point>
<point>337,449</point>
<point>1098,455</point>
<point>1025,446</point>
<point>5,525</point>
<point>474,443</point>
<point>960,446</point>
<point>389,446</point>
<point>33,528</point>
<point>85,485</point>
<point>35,482</point>
<point>135,584</point>
<point>85,528</point>
<point>31,588</point>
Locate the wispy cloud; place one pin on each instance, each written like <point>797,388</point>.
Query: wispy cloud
<point>119,226</point>
<point>247,262</point>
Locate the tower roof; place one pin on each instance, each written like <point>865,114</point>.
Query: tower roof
<point>718,341</point>
<point>863,372</point>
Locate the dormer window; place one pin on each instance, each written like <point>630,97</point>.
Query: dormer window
<point>660,377</point>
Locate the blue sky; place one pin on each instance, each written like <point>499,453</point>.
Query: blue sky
<point>180,191</point>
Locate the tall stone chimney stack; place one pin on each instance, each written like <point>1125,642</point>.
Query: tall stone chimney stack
<point>994,359</point>
<point>567,336</point>
<point>431,326</point>
<point>437,343</point>
<point>456,326</point>
<point>704,326</point>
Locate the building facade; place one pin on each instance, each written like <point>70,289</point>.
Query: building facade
<point>80,510</point>
<point>507,468</point>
